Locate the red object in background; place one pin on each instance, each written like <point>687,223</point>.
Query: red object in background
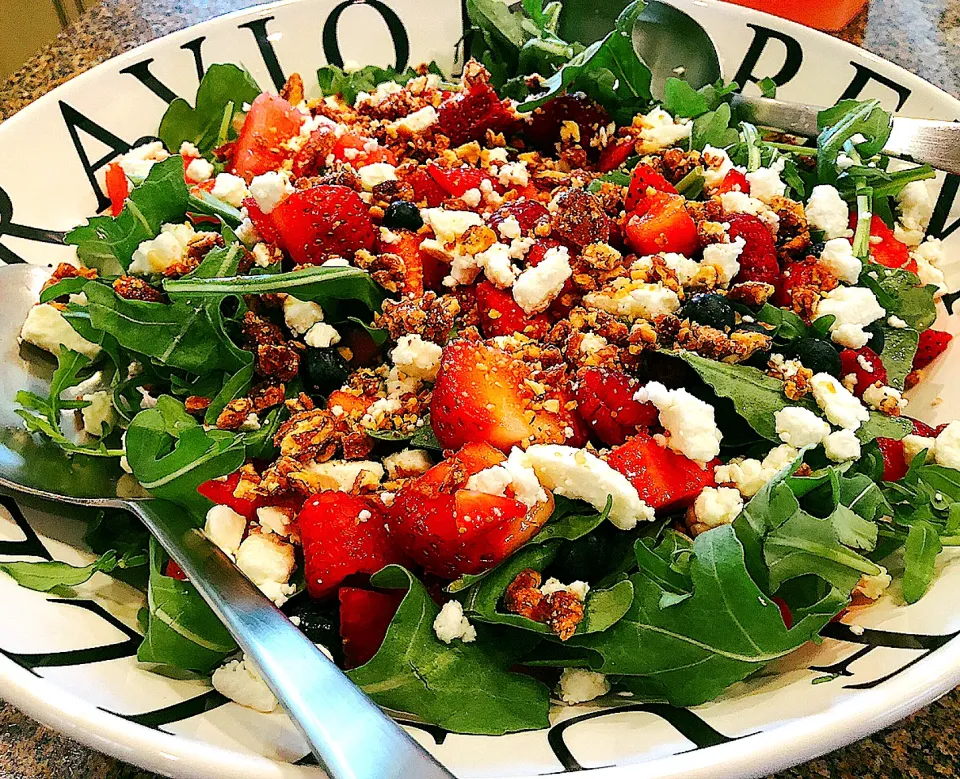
<point>828,15</point>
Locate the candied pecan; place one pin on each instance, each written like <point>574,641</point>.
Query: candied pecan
<point>477,238</point>
<point>597,264</point>
<point>248,486</point>
<point>196,404</point>
<point>267,396</point>
<point>235,414</point>
<point>201,244</point>
<point>395,106</point>
<point>677,163</point>
<point>303,402</point>
<point>357,445</point>
<point>913,378</point>
<point>579,218</point>
<point>311,159</point>
<point>292,91</point>
<point>259,331</point>
<point>307,434</point>
<point>560,611</point>
<point>133,288</point>
<point>523,594</point>
<point>793,234</point>
<point>387,269</point>
<point>67,271</point>
<point>391,190</point>
<point>611,197</point>
<point>277,361</point>
<point>751,293</point>
<point>431,316</point>
<point>710,342</point>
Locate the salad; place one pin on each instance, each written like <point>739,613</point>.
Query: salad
<point>509,389</point>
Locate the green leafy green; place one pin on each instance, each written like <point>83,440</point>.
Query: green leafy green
<point>919,557</point>
<point>899,347</point>
<point>336,81</point>
<point>463,687</point>
<point>713,129</point>
<point>107,243</point>
<point>901,294</point>
<point>220,97</point>
<point>847,120</point>
<point>45,576</point>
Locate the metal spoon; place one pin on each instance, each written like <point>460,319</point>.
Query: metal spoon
<point>350,736</point>
<point>672,43</point>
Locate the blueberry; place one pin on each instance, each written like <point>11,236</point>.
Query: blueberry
<point>877,339</point>
<point>319,621</point>
<point>709,309</point>
<point>817,355</point>
<point>402,213</point>
<point>325,370</point>
<point>816,249</point>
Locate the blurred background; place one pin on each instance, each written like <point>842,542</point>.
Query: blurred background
<point>26,25</point>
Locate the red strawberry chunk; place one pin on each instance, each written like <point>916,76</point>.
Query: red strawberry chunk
<point>406,245</point>
<point>664,226</point>
<point>425,187</point>
<point>365,617</point>
<point>865,365</point>
<point>885,249</point>
<point>528,213</point>
<point>758,260</point>
<point>643,178</point>
<point>220,491</point>
<point>548,120</point>
<point>615,154</point>
<point>663,478</point>
<point>796,274</point>
<point>932,344</point>
<point>456,181</point>
<point>734,181</point>
<point>360,151</point>
<point>468,114</point>
<point>894,462</point>
<point>343,535</point>
<point>605,402</point>
<point>264,224</point>
<point>270,122</point>
<point>323,221</point>
<point>500,314</point>
<point>118,188</point>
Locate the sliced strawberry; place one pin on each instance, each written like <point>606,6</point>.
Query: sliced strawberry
<point>425,187</point>
<point>482,394</point>
<point>360,151</point>
<point>795,274</point>
<point>785,614</point>
<point>923,429</point>
<point>605,402</point>
<point>118,188</point>
<point>468,114</point>
<point>615,154</point>
<point>894,462</point>
<point>546,122</point>
<point>758,260</point>
<point>365,617</point>
<point>885,249</point>
<point>500,314</point>
<point>665,479</point>
<point>528,213</point>
<point>456,181</point>
<point>450,530</point>
<point>323,221</point>
<point>343,535</point>
<point>734,181</point>
<point>665,226</point>
<point>270,122</point>
<point>174,571</point>
<point>406,245</point>
<point>865,364</point>
<point>643,178</point>
<point>932,344</point>
<point>220,491</point>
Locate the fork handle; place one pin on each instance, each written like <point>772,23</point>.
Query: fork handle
<point>349,734</point>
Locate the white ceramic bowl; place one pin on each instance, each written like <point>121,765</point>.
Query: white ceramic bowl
<point>72,664</point>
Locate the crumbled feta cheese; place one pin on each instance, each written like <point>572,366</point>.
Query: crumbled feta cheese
<point>724,257</point>
<point>188,149</point>
<point>472,197</point>
<point>400,384</point>
<point>634,300</point>
<point>800,427</point>
<point>878,396</point>
<point>417,357</point>
<point>99,417</point>
<point>137,162</point>
<point>689,421</point>
<point>827,211</point>
<point>240,681</point>
<point>684,267</point>
<point>158,254</point>
<point>344,474</point>
<point>199,170</point>
<point>872,586</point>
<point>246,232</point>
<point>225,528</point>
<point>914,444</point>
<point>265,558</point>
<point>264,256</point>
<point>736,202</point>
<point>451,625</point>
<point>514,174</point>
<point>514,473</point>
<point>577,588</point>
<point>449,225</point>
<point>509,228</point>
<point>842,445</point>
<point>591,343</point>
<point>854,309</point>
<point>275,519</point>
<point>896,322</point>
<point>578,685</point>
<point>322,336</point>
<point>46,328</point>
<point>378,411</point>
<point>662,131</point>
<point>947,450</point>
<point>376,173</point>
<point>418,121</point>
<point>838,258</point>
<point>717,506</point>
<point>765,183</point>
<point>576,473</point>
<point>381,93</point>
<point>928,257</point>
<point>537,287</point>
<point>270,189</point>
<point>916,209</point>
<point>407,462</point>
<point>230,189</point>
<point>717,164</point>
<point>497,267</point>
<point>839,405</point>
<point>749,475</point>
<point>301,315</point>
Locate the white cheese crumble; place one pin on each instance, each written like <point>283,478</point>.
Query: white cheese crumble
<point>497,265</point>
<point>876,395</point>
<point>376,173</point>
<point>418,121</point>
<point>914,444</point>
<point>662,131</point>
<point>765,183</point>
<point>717,164</point>
<point>240,681</point>
<point>451,625</point>
<point>577,588</point>
<point>225,528</point>
<point>537,287</point>
<point>827,211</point>
<point>449,225</point>
<point>872,586</point>
<point>717,506</point>
<point>690,423</point>
<point>916,209</point>
<point>842,445</point>
<point>749,475</point>
<point>839,259</point>
<point>417,357</point>
<point>268,562</point>
<point>274,519</point>
<point>230,189</point>
<point>578,474</point>
<point>270,189</point>
<point>578,685</point>
<point>928,256</point>
<point>322,336</point>
<point>724,257</point>
<point>199,170</point>
<point>137,162</point>
<point>46,328</point>
<point>514,473</point>
<point>301,315</point>
<point>947,450</point>
<point>800,427</point>
<point>839,405</point>
<point>854,309</point>
<point>158,254</point>
<point>634,300</point>
<point>407,462</point>
<point>99,417</point>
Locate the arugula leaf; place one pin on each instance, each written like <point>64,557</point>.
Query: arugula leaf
<point>237,386</point>
<point>70,285</point>
<point>336,81</point>
<point>681,99</point>
<point>182,632</point>
<point>701,644</point>
<point>713,129</point>
<point>787,326</point>
<point>609,71</point>
<point>901,294</point>
<point>841,123</point>
<point>171,454</point>
<point>425,438</point>
<point>107,243</point>
<point>463,687</point>
<point>768,87</point>
<point>319,284</point>
<point>919,557</point>
<point>220,97</point>
<point>899,347</point>
<point>44,576</point>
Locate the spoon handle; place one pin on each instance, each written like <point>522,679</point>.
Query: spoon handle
<point>349,734</point>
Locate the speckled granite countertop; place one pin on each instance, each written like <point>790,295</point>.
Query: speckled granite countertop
<point>923,36</point>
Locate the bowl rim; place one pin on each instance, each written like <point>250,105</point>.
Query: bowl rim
<point>784,745</point>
